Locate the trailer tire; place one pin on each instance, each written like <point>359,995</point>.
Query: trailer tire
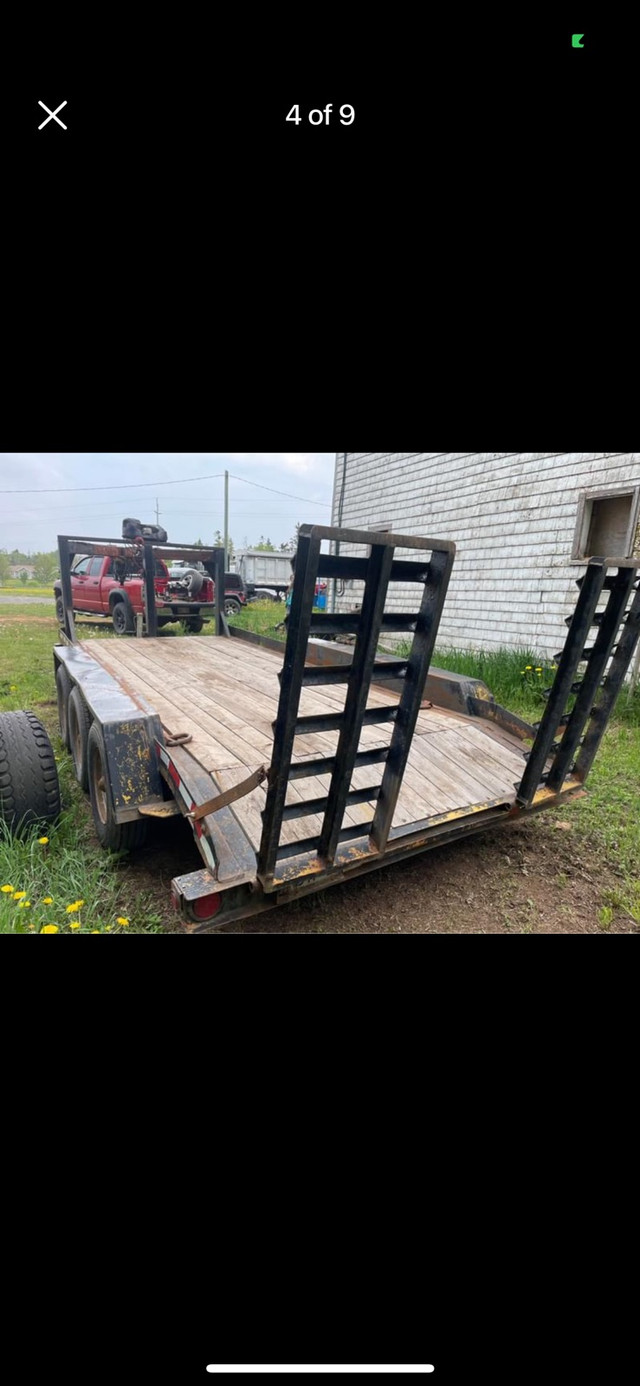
<point>60,611</point>
<point>122,616</point>
<point>29,786</point>
<point>116,837</point>
<point>63,690</point>
<point>79,724</point>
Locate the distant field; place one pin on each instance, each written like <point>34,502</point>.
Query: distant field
<point>28,589</point>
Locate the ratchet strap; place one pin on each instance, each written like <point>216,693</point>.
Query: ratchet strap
<point>221,800</point>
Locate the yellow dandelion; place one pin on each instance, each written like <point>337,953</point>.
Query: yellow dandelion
<point>95,931</point>
<point>48,900</point>
<point>49,929</point>
<point>121,920</point>
<point>529,666</point>
<point>24,905</point>
<point>43,840</point>
<point>538,669</point>
<point>13,688</point>
<point>76,924</point>
<point>19,894</point>
<point>77,905</point>
<point>6,889</point>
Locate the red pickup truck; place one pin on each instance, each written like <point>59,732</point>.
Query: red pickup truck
<point>104,587</point>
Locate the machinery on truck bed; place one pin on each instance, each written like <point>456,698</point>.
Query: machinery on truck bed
<point>303,765</point>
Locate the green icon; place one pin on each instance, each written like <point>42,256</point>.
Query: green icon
<point>575,40</point>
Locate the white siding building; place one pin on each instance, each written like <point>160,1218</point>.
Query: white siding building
<point>524,525</point>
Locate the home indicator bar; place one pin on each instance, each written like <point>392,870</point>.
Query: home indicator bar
<point>386,1371</point>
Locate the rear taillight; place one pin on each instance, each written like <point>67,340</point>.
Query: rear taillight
<point>205,906</point>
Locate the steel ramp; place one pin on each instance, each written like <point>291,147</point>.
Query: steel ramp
<point>606,663</point>
<point>376,570</point>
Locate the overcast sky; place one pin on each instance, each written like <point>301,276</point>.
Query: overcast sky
<point>38,499</point>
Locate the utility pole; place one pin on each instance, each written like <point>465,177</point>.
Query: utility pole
<point>226,519</point>
<point>157,512</point>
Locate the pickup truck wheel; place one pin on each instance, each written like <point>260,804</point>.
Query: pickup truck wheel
<point>29,787</point>
<point>60,611</point>
<point>63,690</point>
<point>117,837</point>
<point>79,723</point>
<point>193,625</point>
<point>231,606</point>
<point>122,617</point>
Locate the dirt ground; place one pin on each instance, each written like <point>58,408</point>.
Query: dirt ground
<point>531,877</point>
<point>535,876</point>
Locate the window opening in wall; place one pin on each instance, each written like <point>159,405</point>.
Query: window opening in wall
<point>606,524</point>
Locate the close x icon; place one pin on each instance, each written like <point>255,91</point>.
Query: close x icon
<point>53,115</point>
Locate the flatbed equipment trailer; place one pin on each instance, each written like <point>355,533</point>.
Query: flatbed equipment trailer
<point>304,765</point>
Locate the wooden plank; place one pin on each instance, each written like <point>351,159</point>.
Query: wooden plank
<point>211,752</point>
<point>227,700</point>
<point>453,785</point>
<point>475,752</point>
<point>201,711</point>
<point>467,764</point>
<point>505,754</point>
<point>187,694</point>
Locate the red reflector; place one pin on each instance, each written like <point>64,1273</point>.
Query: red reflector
<point>206,906</point>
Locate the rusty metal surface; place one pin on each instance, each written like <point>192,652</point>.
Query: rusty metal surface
<point>234,856</point>
<point>159,808</point>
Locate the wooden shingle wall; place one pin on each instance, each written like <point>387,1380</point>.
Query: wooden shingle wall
<point>513,519</point>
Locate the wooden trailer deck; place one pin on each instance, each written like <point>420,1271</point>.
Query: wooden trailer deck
<point>225,692</point>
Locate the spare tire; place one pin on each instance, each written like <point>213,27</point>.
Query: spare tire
<point>29,787</point>
<point>194,581</point>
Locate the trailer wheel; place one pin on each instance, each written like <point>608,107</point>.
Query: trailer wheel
<point>79,723</point>
<point>117,837</point>
<point>63,690</point>
<point>122,617</point>
<point>60,611</point>
<point>29,787</point>
<point>193,625</point>
<point>231,606</point>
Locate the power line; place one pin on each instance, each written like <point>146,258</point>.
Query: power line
<point>128,486</point>
<point>279,493</point>
<point>137,486</point>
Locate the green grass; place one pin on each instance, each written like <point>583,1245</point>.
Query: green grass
<point>605,824</point>
<point>70,866</point>
<point>515,677</point>
<point>262,618</point>
<point>28,589</point>
<point>67,868</point>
